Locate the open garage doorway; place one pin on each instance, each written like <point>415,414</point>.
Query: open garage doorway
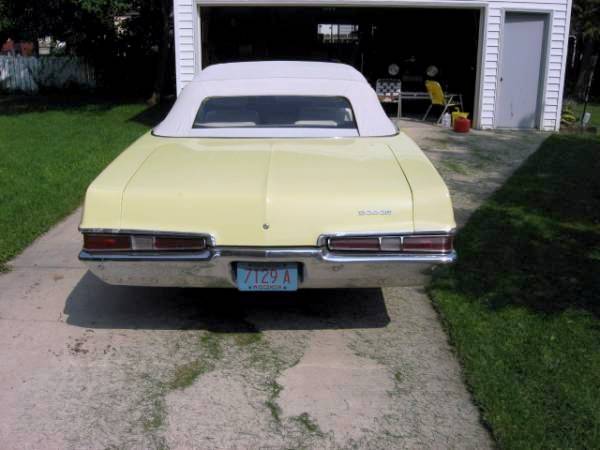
<point>410,44</point>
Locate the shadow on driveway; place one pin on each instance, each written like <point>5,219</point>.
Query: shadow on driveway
<point>94,304</point>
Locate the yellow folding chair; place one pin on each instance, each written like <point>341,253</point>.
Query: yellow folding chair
<point>438,98</point>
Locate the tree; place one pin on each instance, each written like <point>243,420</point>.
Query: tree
<point>89,28</point>
<point>163,49</point>
<point>147,31</point>
<point>585,24</point>
<point>86,26</point>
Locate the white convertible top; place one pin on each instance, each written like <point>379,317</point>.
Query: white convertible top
<point>279,69</point>
<point>278,78</point>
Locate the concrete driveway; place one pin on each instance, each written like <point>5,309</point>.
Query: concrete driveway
<point>87,365</point>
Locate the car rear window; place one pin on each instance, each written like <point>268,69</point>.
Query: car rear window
<point>275,111</point>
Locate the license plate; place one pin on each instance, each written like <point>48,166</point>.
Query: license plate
<point>267,277</point>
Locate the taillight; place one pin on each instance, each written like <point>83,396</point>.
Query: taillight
<point>98,242</point>
<point>123,242</point>
<point>354,244</point>
<point>179,243</point>
<point>406,244</point>
<point>427,244</point>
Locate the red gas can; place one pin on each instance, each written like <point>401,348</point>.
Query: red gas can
<point>462,125</point>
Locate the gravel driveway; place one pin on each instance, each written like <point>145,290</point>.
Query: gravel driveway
<point>87,365</point>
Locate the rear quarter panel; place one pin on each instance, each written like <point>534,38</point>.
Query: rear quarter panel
<point>432,206</point>
<point>102,206</point>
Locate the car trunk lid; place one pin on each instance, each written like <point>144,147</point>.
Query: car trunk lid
<point>278,192</point>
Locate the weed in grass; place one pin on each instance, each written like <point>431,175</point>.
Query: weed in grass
<point>245,335</point>
<point>156,415</point>
<point>210,352</point>
<point>483,158</point>
<point>262,358</point>
<point>271,403</point>
<point>160,443</point>
<point>246,339</point>
<point>210,345</point>
<point>186,374</point>
<point>307,423</point>
<point>438,143</point>
<point>455,166</point>
<point>183,376</point>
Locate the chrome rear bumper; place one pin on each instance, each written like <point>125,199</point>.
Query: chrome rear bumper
<point>215,267</point>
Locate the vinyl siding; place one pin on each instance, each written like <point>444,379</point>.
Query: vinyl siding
<point>188,59</point>
<point>185,35</point>
<point>555,59</point>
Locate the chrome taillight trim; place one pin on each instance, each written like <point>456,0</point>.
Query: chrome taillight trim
<point>137,237</point>
<point>324,241</point>
<point>209,238</point>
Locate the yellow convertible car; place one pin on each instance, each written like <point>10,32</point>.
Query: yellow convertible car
<point>270,176</point>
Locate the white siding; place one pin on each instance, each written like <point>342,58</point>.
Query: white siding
<point>559,11</point>
<point>185,32</point>
<point>188,55</point>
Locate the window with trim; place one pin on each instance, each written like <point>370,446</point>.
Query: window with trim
<point>334,33</point>
<point>275,111</point>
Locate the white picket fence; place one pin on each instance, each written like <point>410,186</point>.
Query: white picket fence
<point>30,74</point>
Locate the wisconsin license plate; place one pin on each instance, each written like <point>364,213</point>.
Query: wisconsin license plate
<point>267,277</point>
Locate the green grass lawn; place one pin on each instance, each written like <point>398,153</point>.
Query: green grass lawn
<point>593,108</point>
<point>522,304</point>
<point>50,150</point>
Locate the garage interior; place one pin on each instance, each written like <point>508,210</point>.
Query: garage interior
<point>370,39</point>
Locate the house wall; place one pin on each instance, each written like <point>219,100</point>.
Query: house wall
<point>188,60</point>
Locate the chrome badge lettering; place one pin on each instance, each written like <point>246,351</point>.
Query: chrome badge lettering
<point>375,212</point>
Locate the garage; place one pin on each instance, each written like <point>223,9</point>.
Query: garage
<point>379,42</point>
<point>504,61</point>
